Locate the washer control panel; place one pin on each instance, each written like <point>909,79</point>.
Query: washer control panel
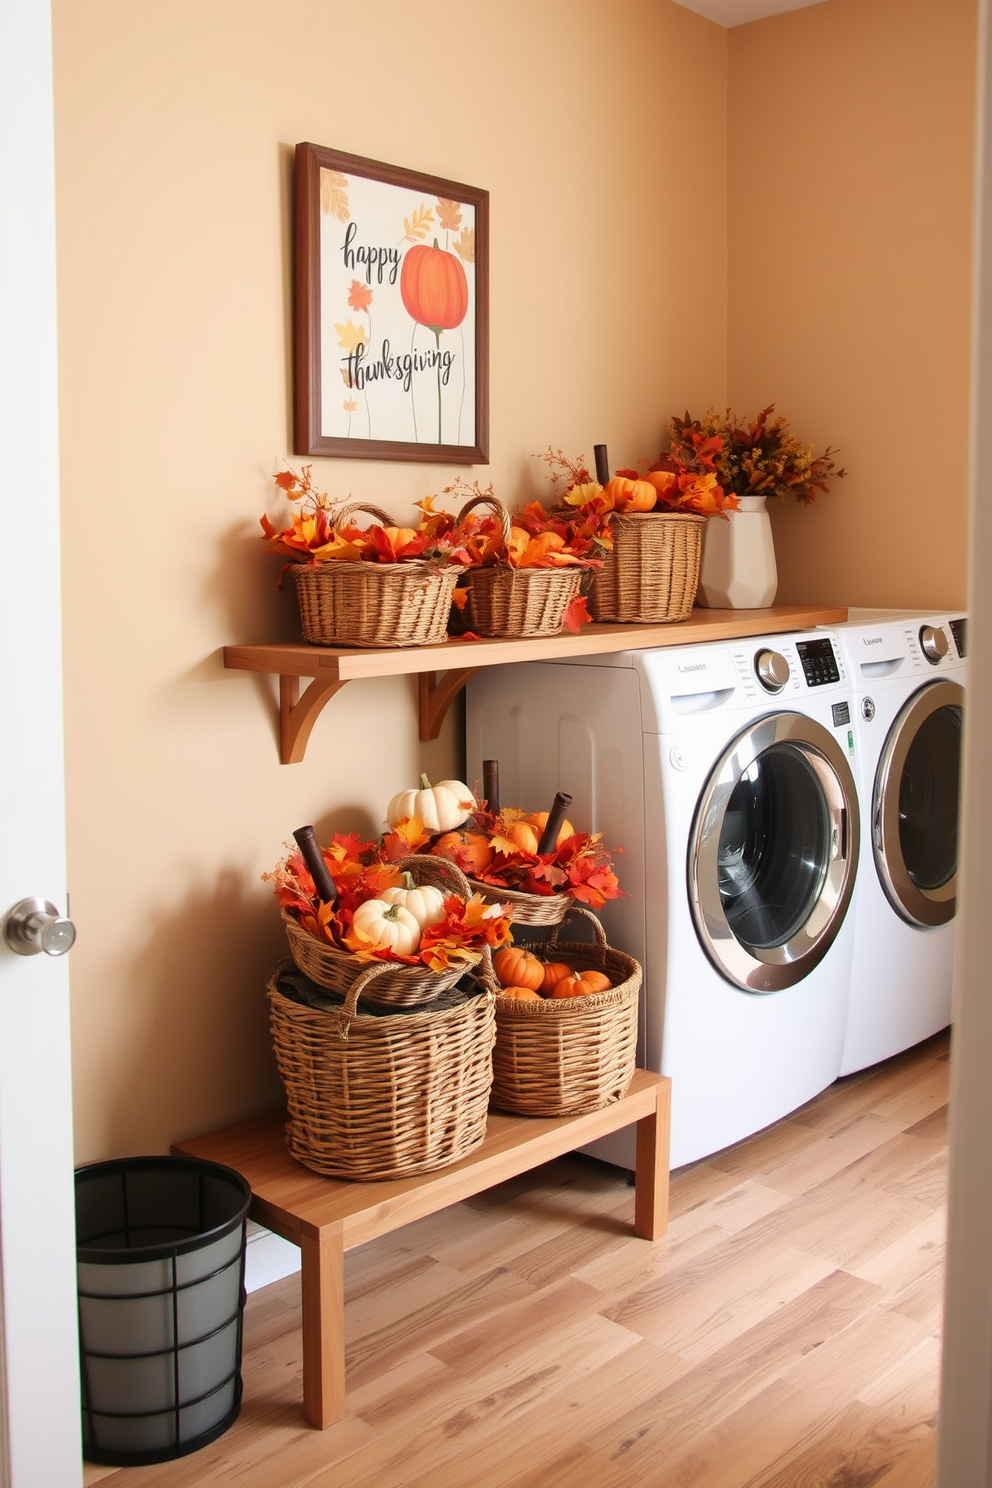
<point>819,661</point>
<point>959,630</point>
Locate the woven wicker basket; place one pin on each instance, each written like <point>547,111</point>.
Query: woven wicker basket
<point>400,986</point>
<point>652,574</point>
<point>523,908</point>
<point>382,1096</point>
<point>506,601</point>
<point>562,1056</point>
<point>374,604</point>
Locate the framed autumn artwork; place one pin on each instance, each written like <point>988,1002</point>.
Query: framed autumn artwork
<point>391,312</point>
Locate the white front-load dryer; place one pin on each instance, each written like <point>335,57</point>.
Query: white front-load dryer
<point>907,675</point>
<point>723,773</point>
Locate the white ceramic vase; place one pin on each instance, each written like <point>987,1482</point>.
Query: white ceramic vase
<point>737,570</point>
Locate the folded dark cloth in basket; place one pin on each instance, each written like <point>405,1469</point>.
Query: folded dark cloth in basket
<point>293,984</point>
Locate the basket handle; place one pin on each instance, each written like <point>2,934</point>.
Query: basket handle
<point>600,941</point>
<point>363,506</point>
<point>484,973</point>
<point>355,991</point>
<point>442,866</point>
<point>496,506</point>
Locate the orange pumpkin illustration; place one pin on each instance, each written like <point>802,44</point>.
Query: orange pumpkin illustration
<point>434,288</point>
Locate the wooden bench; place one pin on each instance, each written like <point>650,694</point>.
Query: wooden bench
<point>327,1216</point>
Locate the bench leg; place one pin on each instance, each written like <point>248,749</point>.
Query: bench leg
<point>651,1170</point>
<point>322,1280</point>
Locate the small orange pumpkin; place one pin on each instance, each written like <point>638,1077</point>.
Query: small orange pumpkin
<point>535,555</point>
<point>517,545</point>
<point>570,986</point>
<point>566,830</point>
<point>471,851</point>
<point>664,481</point>
<point>554,972</point>
<point>526,834</point>
<point>627,495</point>
<point>596,981</point>
<point>515,967</point>
<point>521,994</point>
<point>523,835</point>
<point>580,986</point>
<point>400,537</point>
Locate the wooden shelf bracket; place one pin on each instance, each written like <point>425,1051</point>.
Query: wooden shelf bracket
<point>297,715</point>
<point>437,696</point>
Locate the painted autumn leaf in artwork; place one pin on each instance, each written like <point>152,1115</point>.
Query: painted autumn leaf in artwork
<point>464,245</point>
<point>350,336</point>
<point>359,295</point>
<point>334,195</point>
<point>419,224</point>
<point>449,214</point>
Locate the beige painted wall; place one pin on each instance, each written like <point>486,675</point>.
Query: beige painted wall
<point>598,126</point>
<point>850,187</point>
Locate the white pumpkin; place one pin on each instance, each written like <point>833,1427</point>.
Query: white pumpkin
<point>441,807</point>
<point>426,904</point>
<point>387,926</point>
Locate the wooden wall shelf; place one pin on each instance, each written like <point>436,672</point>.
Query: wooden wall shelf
<point>444,670</point>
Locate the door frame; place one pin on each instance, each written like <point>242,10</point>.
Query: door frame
<point>38,1346</point>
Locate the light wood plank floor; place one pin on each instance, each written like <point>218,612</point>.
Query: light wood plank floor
<point>785,1333</point>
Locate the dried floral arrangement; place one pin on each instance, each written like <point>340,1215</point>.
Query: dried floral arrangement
<point>756,457</point>
<point>371,892</point>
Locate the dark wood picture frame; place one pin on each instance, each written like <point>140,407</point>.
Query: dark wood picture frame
<point>374,369</point>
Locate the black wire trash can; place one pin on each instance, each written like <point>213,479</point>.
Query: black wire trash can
<point>160,1263</point>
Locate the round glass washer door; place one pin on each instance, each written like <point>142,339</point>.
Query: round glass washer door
<point>915,806</point>
<point>773,852</point>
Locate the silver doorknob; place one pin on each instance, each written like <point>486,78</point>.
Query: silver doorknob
<point>934,643</point>
<point>35,925</point>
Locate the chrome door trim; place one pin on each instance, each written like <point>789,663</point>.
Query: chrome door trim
<point>770,969</point>
<point>923,907</point>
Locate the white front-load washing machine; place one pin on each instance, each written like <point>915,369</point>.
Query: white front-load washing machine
<point>723,773</point>
<point>907,674</point>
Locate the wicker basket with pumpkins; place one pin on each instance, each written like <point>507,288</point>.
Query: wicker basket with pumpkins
<point>383,1022</point>
<point>534,864</point>
<point>566,1024</point>
<point>346,906</point>
<point>657,518</point>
